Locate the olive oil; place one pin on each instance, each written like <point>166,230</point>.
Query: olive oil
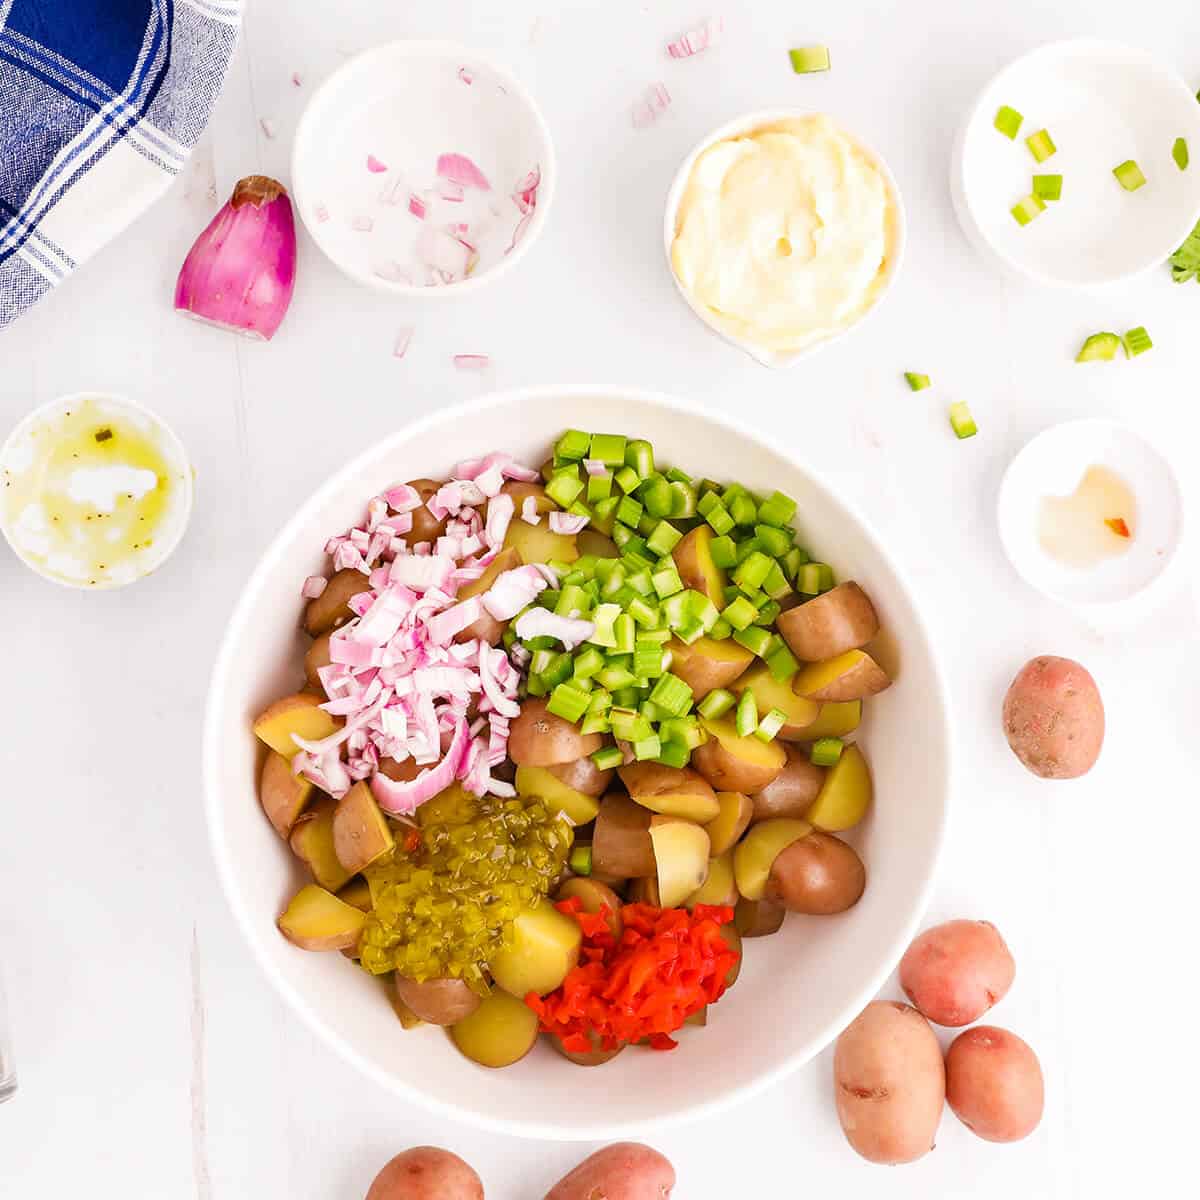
<point>1096,522</point>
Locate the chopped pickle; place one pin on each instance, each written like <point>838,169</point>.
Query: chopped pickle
<point>445,898</point>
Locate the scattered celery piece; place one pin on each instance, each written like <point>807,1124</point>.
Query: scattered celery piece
<point>608,448</point>
<point>673,754</point>
<point>1028,209</point>
<point>568,702</point>
<point>1100,347</point>
<point>672,695</point>
<point>770,725</point>
<point>740,614</point>
<point>580,860</point>
<point>1041,145</point>
<point>961,421</point>
<point>564,487</point>
<point>573,445</point>
<point>723,552</point>
<point>826,751</point>
<point>716,704</point>
<point>647,747</point>
<point>1185,262</point>
<point>1136,341</point>
<point>746,718</point>
<point>783,663</point>
<point>639,455</point>
<point>1048,187</point>
<point>1179,152</point>
<point>1129,175</point>
<point>918,383</point>
<point>1008,122</point>
<point>808,60</point>
<point>755,639</point>
<point>608,757</point>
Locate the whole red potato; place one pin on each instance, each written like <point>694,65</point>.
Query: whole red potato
<point>1054,718</point>
<point>954,972</point>
<point>426,1173</point>
<point>994,1084</point>
<point>624,1171</point>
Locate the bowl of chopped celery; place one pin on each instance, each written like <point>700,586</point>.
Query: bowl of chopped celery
<point>549,652</point>
<point>1073,166</point>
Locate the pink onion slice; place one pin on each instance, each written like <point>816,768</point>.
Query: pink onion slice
<point>653,103</point>
<point>561,522</point>
<point>460,169</point>
<point>403,338</point>
<point>472,362</point>
<point>375,166</point>
<point>541,622</point>
<point>314,586</point>
<point>696,40</point>
<point>417,207</point>
<point>466,75</point>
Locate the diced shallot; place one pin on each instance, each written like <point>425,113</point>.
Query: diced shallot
<point>403,337</point>
<point>541,622</point>
<point>696,40</point>
<point>653,103</point>
<point>471,362</point>
<point>593,466</point>
<point>460,169</point>
<point>417,207</point>
<point>561,522</point>
<point>314,585</point>
<point>529,510</point>
<point>375,166</point>
<point>466,75</point>
<point>512,591</point>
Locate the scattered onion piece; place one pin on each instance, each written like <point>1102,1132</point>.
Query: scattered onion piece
<point>654,101</point>
<point>314,586</point>
<point>458,168</point>
<point>375,166</point>
<point>541,622</point>
<point>696,40</point>
<point>296,79</point>
<point>362,224</point>
<point>568,523</point>
<point>466,75</point>
<point>403,338</point>
<point>268,127</point>
<point>472,362</point>
<point>322,213</point>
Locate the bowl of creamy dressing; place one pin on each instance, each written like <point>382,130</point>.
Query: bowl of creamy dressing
<point>782,231</point>
<point>95,491</point>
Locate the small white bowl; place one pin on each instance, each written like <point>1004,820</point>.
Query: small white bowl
<point>1118,590</point>
<point>1102,103</point>
<point>402,105</point>
<point>738,127</point>
<point>15,453</point>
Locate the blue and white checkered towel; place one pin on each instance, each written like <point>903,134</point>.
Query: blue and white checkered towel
<point>100,103</point>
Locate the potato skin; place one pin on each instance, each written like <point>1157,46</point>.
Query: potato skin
<point>438,1001</point>
<point>758,918</point>
<point>583,775</point>
<point>830,624</point>
<point>994,1084</point>
<point>426,1173</point>
<point>1054,718</point>
<point>425,526</point>
<point>819,875</point>
<point>792,791</point>
<point>331,609</point>
<point>537,738</point>
<point>624,1171</point>
<point>621,845</point>
<point>956,971</point>
<point>889,1083</point>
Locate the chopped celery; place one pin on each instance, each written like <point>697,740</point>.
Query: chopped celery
<point>572,599</point>
<point>568,702</point>
<point>647,659</point>
<point>716,704</point>
<point>675,475</point>
<point>689,630</point>
<point>792,561</point>
<point>740,614</point>
<point>646,615</point>
<point>755,639</point>
<point>608,448</point>
<point>639,455</point>
<point>776,584</point>
<point>826,751</point>
<point>587,663</point>
<point>721,629</point>
<point>1041,145</point>
<point>1047,187</point>
<point>580,859</point>
<point>1029,208</point>
<point>814,578</point>
<point>683,499</point>
<point>1100,347</point>
<point>743,510</point>
<point>719,519</point>
<point>1008,122</point>
<point>573,445</point>
<point>599,487</point>
<point>707,503</point>
<point>703,609</point>
<point>628,725</point>
<point>1185,262</point>
<point>1129,175</point>
<point>565,487</point>
<point>768,612</point>
<point>746,718</point>
<point>783,663</point>
<point>594,723</point>
<point>777,509</point>
<point>752,570</point>
<point>770,725</point>
<point>629,511</point>
<point>775,541</point>
<point>604,618</point>
<point>625,632</point>
<point>961,421</point>
<point>627,480</point>
<point>918,383</point>
<point>1179,152</point>
<point>672,695</point>
<point>664,539</point>
<point>604,515</point>
<point>808,60</point>
<point>673,754</point>
<point>723,552</point>
<point>601,701</point>
<point>667,582</point>
<point>1136,341</point>
<point>647,747</point>
<point>608,757</point>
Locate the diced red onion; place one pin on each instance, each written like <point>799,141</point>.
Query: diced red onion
<point>402,498</point>
<point>696,40</point>
<point>403,338</point>
<point>417,206</point>
<point>466,75</point>
<point>529,510</point>
<point>541,622</point>
<point>268,127</point>
<point>455,193</point>
<point>499,517</point>
<point>512,591</point>
<point>297,81</point>
<point>654,102</point>
<point>375,166</point>
<point>362,224</point>
<point>460,169</point>
<point>593,466</point>
<point>322,213</point>
<point>471,362</point>
<point>568,523</point>
<point>314,585</point>
<point>394,796</point>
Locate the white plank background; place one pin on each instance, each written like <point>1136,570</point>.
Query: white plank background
<point>154,1060</point>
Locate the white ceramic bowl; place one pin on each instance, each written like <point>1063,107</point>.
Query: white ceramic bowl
<point>174,521</point>
<point>401,106</point>
<point>1103,103</point>
<point>1119,590</point>
<point>738,127</point>
<point>798,989</point>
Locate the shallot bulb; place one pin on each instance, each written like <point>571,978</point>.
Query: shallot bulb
<point>241,272</point>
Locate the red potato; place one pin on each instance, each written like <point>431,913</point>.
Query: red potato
<point>830,624</point>
<point>889,1083</point>
<point>625,1171</point>
<point>537,738</point>
<point>955,972</point>
<point>426,1173</point>
<point>1054,718</point>
<point>994,1084</point>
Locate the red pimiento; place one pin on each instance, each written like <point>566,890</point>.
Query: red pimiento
<point>668,964</point>
<point>1118,526</point>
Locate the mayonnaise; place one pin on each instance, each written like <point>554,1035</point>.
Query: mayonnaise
<point>783,236</point>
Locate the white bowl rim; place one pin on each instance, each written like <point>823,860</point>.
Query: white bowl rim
<point>211,750</point>
<point>1084,425</point>
<point>745,124</point>
<point>961,197</point>
<point>451,51</point>
<point>176,454</point>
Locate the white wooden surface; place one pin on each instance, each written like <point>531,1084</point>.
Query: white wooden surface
<point>154,1060</point>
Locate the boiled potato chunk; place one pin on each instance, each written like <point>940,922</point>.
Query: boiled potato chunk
<point>438,1001</point>
<point>317,920</point>
<point>331,609</point>
<point>681,852</point>
<point>730,823</point>
<point>708,664</point>
<point>597,544</point>
<point>819,875</point>
<point>838,620</point>
<point>792,792</point>
<point>769,693</point>
<point>361,833</point>
<point>537,738</point>
<point>538,781</point>
<point>850,676</point>
<point>845,795</point>
<point>693,560</point>
<point>719,888</point>
<point>584,776</point>
<point>733,939</point>
<point>756,853</point>
<point>736,764</point>
<point>595,1057</point>
<point>621,845</point>
<point>672,791</point>
<point>312,842</point>
<point>536,544</point>
<point>645,891</point>
<point>836,719</point>
<point>300,714</point>
<point>500,1032</point>
<point>544,948</point>
<point>316,657</point>
<point>758,918</point>
<point>358,893</point>
<point>282,794</point>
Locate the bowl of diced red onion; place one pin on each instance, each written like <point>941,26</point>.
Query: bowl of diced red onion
<point>423,168</point>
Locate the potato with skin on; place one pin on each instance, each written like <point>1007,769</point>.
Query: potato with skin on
<point>361,833</point>
<point>719,888</point>
<point>672,791</point>
<point>311,841</point>
<point>756,853</point>
<point>624,1171</point>
<point>357,893</point>
<point>544,949</point>
<point>994,1084</point>
<point>438,1001</point>
<point>645,891</point>
<point>956,971</point>
<point>500,1032</point>
<point>425,526</point>
<point>819,875</point>
<point>836,719</point>
<point>758,918</point>
<point>297,714</point>
<point>317,920</point>
<point>596,1057</point>
<point>594,896</point>
<point>537,738</point>
<point>583,776</point>
<point>845,793</point>
<point>736,764</point>
<point>889,1083</point>
<point>1054,718</point>
<point>331,609</point>
<point>405,1015</point>
<point>693,561</point>
<point>558,797</point>
<point>707,664</point>
<point>838,620</point>
<point>681,853</point>
<point>769,693</point>
<point>597,544</point>
<point>621,845</point>
<point>282,794</point>
<point>727,827</point>
<point>851,676</point>
<point>316,657</point>
<point>537,544</point>
<point>426,1173</point>
<point>792,792</point>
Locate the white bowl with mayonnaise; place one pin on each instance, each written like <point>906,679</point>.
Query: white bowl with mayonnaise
<point>782,232</point>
